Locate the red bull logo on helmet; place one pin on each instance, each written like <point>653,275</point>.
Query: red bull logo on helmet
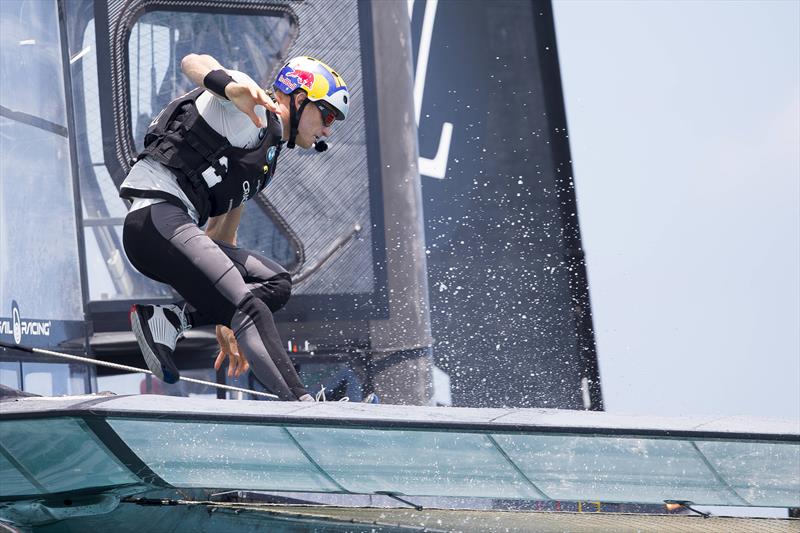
<point>294,79</point>
<point>305,78</point>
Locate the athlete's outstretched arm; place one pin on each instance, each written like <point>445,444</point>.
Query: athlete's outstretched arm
<point>245,96</point>
<point>196,67</point>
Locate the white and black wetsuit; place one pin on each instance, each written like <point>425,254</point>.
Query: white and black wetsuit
<point>223,284</point>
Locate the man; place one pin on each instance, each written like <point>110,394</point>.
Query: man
<point>205,155</point>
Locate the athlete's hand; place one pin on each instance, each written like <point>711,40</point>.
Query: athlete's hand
<point>247,97</point>
<point>229,348</point>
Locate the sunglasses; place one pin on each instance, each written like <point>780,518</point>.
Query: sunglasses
<point>328,116</point>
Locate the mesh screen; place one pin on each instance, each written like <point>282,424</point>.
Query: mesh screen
<point>319,196</point>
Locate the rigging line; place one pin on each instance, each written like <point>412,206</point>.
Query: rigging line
<point>33,120</point>
<point>87,360</point>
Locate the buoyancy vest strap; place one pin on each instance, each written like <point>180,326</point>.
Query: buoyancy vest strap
<point>205,141</point>
<point>209,154</point>
<point>294,118</point>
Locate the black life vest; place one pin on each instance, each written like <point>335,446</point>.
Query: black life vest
<point>180,139</point>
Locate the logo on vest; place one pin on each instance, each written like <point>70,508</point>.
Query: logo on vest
<point>270,158</point>
<point>245,191</point>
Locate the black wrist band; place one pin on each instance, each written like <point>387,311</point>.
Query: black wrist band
<point>216,81</point>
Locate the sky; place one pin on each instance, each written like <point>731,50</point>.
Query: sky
<point>684,127</point>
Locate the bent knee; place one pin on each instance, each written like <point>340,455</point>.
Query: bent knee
<point>282,291</point>
<point>274,292</point>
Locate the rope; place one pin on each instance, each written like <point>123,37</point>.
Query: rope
<point>128,368</point>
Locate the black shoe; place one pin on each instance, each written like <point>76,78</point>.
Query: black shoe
<point>157,328</point>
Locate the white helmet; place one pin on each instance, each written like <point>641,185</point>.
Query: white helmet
<point>318,80</point>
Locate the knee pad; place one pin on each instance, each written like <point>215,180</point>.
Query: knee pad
<point>282,285</point>
<point>274,292</point>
